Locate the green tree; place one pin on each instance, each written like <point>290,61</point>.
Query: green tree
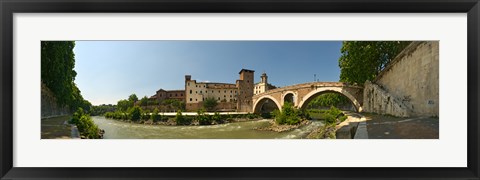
<point>123,105</point>
<point>363,60</point>
<point>329,99</point>
<point>133,98</point>
<point>144,101</point>
<point>58,74</point>
<point>210,103</point>
<point>135,113</point>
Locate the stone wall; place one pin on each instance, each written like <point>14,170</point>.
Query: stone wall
<point>411,80</point>
<point>49,105</point>
<point>380,101</point>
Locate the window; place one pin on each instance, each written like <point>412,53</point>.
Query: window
<point>160,95</point>
<point>190,91</point>
<point>195,99</point>
<point>196,85</point>
<point>212,91</point>
<point>218,91</point>
<point>188,84</point>
<point>230,95</point>
<point>175,94</point>
<point>224,96</point>
<point>190,99</point>
<point>225,91</point>
<point>230,91</point>
<point>204,86</point>
<point>200,92</point>
<point>170,95</point>
<point>218,98</point>
<point>196,92</point>
<point>203,99</point>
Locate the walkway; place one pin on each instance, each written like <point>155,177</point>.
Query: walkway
<point>388,127</point>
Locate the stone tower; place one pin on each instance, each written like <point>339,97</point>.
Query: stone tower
<point>245,88</point>
<point>264,78</point>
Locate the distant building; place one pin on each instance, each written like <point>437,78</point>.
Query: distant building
<point>229,96</point>
<point>162,95</point>
<point>263,85</point>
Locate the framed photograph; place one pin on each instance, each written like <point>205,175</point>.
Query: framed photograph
<point>232,89</point>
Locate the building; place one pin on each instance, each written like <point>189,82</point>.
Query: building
<point>162,95</point>
<point>263,85</point>
<point>230,97</point>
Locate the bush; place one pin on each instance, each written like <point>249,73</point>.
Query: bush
<point>155,116</point>
<point>182,120</point>
<point>289,115</point>
<point>135,113</point>
<point>85,124</point>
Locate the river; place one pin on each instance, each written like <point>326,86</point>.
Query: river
<point>238,130</point>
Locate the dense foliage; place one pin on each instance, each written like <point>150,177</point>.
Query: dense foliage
<point>289,115</point>
<point>58,74</point>
<point>102,109</point>
<point>333,116</point>
<point>85,124</point>
<point>363,60</point>
<point>210,103</point>
<point>328,100</point>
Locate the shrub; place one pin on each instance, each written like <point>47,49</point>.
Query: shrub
<point>135,113</point>
<point>288,115</point>
<point>182,120</point>
<point>85,124</point>
<point>155,116</point>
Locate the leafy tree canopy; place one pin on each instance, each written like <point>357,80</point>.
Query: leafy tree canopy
<point>363,60</point>
<point>58,74</point>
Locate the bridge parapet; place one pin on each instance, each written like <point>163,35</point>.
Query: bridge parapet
<point>308,85</point>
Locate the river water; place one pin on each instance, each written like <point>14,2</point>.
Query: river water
<point>238,130</point>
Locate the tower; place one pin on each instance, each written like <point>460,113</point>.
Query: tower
<point>264,78</point>
<point>245,88</point>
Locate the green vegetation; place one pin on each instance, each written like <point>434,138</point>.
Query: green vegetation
<point>210,104</point>
<point>102,109</point>
<point>135,113</point>
<point>155,116</point>
<point>289,115</point>
<point>182,120</point>
<point>328,100</point>
<point>85,125</point>
<point>174,104</point>
<point>58,74</point>
<point>363,60</point>
<point>333,116</point>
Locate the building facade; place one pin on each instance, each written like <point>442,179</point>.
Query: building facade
<point>230,97</point>
<point>162,95</point>
<point>263,85</point>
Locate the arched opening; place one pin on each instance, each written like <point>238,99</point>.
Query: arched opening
<point>313,94</point>
<point>325,99</point>
<point>266,106</point>
<point>288,98</point>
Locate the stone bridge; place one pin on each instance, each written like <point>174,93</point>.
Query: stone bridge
<point>301,94</point>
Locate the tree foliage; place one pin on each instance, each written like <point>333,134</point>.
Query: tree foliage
<point>363,60</point>
<point>85,124</point>
<point>133,98</point>
<point>210,103</point>
<point>329,99</point>
<point>58,74</point>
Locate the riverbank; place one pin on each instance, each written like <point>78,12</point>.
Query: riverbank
<point>282,128</point>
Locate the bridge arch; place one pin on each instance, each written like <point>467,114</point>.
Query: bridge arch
<point>312,94</point>
<point>258,104</point>
<point>293,96</point>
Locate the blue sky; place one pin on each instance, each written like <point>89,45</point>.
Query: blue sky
<point>108,71</point>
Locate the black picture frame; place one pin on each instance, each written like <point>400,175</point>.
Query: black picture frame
<point>9,7</point>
